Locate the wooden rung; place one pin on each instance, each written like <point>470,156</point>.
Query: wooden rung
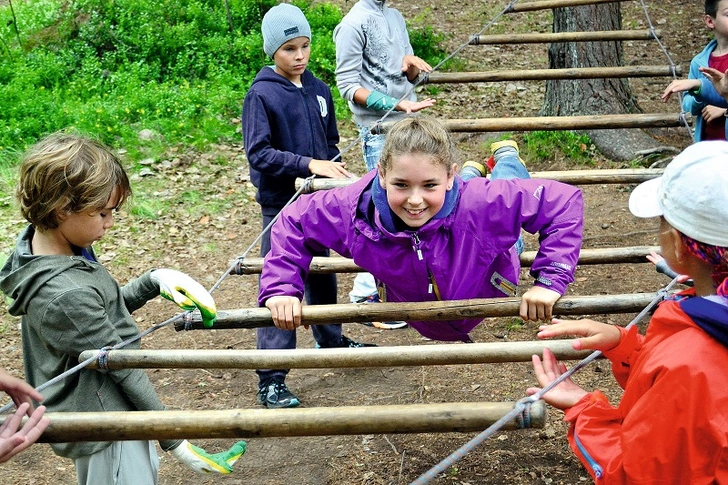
<point>554,37</point>
<point>414,355</point>
<point>551,4</point>
<point>337,264</point>
<point>573,177</point>
<point>552,74</point>
<point>554,123</point>
<point>422,311</point>
<point>263,423</point>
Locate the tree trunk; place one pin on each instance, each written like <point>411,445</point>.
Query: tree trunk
<point>594,96</point>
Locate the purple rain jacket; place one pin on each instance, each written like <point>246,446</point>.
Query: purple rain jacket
<point>469,252</point>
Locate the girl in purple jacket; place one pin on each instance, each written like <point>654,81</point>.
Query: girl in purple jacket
<point>427,235</point>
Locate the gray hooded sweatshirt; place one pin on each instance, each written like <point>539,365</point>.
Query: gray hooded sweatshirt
<point>371,42</point>
<point>69,304</point>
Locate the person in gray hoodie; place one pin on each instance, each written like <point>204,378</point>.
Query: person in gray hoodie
<point>375,71</point>
<point>69,188</point>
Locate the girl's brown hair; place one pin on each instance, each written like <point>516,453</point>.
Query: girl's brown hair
<point>67,173</point>
<point>418,135</point>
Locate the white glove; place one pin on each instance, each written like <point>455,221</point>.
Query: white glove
<point>186,292</point>
<point>200,461</point>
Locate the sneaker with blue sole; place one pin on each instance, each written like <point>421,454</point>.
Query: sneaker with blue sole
<point>274,394</point>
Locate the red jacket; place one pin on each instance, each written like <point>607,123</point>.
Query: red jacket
<point>671,425</point>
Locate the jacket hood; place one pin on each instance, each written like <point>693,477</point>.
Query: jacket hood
<point>23,274</point>
<point>376,5</point>
<point>710,314</point>
<point>270,75</point>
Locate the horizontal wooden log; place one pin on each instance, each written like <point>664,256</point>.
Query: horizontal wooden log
<point>551,4</point>
<point>554,123</point>
<point>337,264</point>
<point>441,354</point>
<point>264,423</point>
<point>573,177</point>
<point>551,74</point>
<point>554,37</point>
<point>423,311</point>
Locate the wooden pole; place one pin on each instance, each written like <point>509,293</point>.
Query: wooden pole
<point>423,311</point>
<point>337,264</point>
<point>551,74</point>
<point>551,4</point>
<point>553,37</point>
<point>263,423</point>
<point>554,123</point>
<point>573,177</point>
<point>440,354</point>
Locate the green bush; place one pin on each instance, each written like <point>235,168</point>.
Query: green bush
<point>424,39</point>
<point>542,145</point>
<point>112,68</point>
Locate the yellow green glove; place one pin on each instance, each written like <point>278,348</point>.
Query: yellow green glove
<point>186,292</point>
<point>200,461</point>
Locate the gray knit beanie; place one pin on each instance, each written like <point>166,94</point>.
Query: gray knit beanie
<point>281,24</point>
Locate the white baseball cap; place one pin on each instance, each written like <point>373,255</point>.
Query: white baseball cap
<point>692,193</point>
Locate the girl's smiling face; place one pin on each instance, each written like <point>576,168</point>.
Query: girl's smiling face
<point>416,184</point>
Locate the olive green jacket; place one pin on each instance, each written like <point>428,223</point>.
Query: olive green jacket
<point>69,304</point>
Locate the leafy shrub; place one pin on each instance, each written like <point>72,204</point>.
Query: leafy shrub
<point>424,39</point>
<point>541,146</point>
<point>112,68</point>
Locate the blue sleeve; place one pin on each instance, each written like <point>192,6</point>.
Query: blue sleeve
<point>257,139</point>
<point>709,95</point>
<point>689,103</point>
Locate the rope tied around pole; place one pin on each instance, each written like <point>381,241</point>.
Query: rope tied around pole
<point>684,120</point>
<point>103,359</point>
<point>524,417</point>
<point>101,356</point>
<point>187,319</point>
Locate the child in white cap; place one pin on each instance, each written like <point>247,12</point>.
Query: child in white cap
<point>289,131</point>
<point>670,425</point>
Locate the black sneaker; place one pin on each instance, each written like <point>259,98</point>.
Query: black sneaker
<point>274,394</point>
<point>346,342</point>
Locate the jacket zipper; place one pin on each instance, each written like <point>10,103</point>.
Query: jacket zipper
<point>304,96</point>
<point>432,285</point>
<point>596,467</point>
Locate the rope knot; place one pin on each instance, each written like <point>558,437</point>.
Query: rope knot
<point>187,319</point>
<point>524,417</point>
<point>103,357</point>
<point>308,184</point>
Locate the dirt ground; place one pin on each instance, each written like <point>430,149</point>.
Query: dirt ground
<point>202,246</point>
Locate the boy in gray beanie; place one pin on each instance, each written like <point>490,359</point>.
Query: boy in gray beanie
<point>289,131</point>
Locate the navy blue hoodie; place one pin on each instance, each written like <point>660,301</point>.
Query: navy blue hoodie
<point>284,127</point>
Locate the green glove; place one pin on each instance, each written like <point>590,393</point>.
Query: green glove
<point>186,292</point>
<point>201,461</point>
<point>381,101</point>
